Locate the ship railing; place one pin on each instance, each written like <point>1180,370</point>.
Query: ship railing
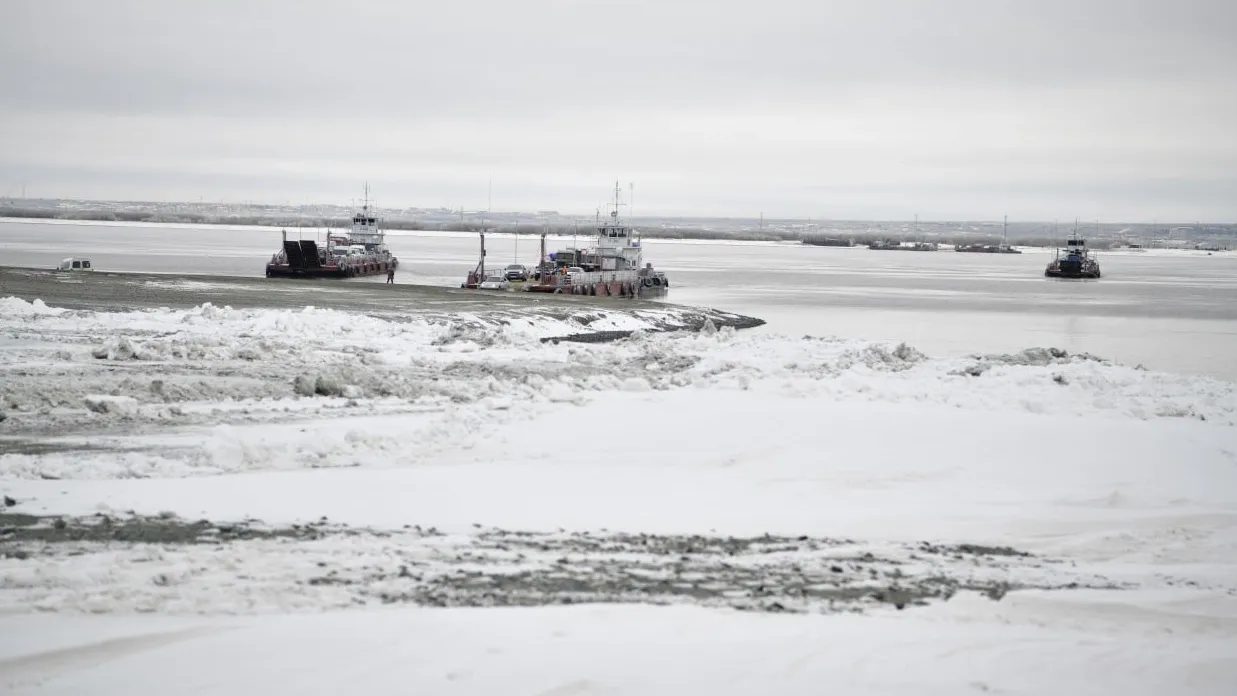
<point>594,277</point>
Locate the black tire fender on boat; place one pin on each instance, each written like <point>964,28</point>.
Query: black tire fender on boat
<point>646,281</point>
<point>656,281</point>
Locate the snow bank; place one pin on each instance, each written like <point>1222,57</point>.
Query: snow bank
<point>248,369</point>
<point>1024,645</point>
<point>741,463</point>
<point>103,403</point>
<point>17,307</point>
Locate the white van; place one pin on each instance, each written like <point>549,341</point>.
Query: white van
<point>75,263</point>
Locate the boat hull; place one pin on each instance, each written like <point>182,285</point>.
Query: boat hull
<point>1057,273</point>
<point>603,290</point>
<point>628,284</point>
<point>985,250</point>
<point>828,242</point>
<point>275,270</point>
<point>1072,267</point>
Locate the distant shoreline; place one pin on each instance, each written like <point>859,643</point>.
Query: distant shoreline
<point>553,229</point>
<point>889,230</point>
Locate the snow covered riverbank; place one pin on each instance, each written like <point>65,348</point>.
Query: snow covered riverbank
<point>1028,510</point>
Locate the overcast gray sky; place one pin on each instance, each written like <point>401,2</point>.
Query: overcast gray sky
<point>1109,109</point>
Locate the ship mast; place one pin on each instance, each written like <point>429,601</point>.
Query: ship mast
<point>631,205</point>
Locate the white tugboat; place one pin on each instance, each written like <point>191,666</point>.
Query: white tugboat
<point>363,252</point>
<point>613,267</point>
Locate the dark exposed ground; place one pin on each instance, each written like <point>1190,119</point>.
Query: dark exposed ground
<point>494,567</point>
<point>123,291</point>
<point>130,291</point>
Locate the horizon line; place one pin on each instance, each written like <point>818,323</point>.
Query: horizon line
<point>1081,223</point>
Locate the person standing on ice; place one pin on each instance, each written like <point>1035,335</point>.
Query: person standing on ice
<point>391,274</point>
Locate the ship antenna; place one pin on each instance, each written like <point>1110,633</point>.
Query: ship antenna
<point>631,205</point>
<point>614,213</point>
<point>489,202</point>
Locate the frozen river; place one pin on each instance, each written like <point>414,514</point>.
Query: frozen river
<point>229,473</point>
<point>1167,310</point>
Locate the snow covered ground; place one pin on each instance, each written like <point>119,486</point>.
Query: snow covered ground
<point>245,501</point>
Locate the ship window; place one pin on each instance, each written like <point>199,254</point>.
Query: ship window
<point>85,264</point>
<point>77,264</point>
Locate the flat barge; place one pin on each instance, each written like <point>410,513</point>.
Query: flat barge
<point>362,252</point>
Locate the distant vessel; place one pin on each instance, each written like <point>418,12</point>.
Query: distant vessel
<point>889,245</point>
<point>1001,248</point>
<point>363,252</point>
<point>1074,261</point>
<point>820,240</point>
<point>987,249</point>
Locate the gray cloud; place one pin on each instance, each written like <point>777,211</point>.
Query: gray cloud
<point>967,107</point>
